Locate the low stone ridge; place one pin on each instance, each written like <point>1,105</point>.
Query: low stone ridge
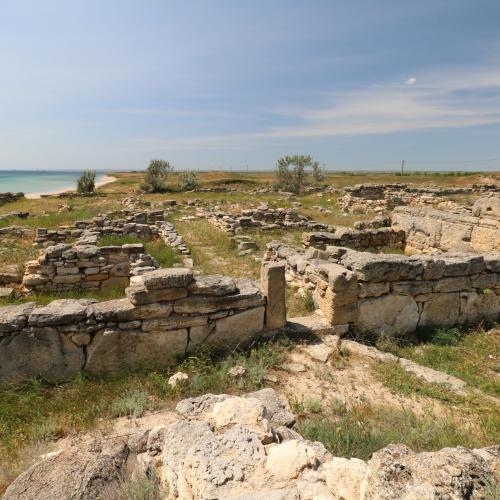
<point>393,294</point>
<point>167,314</point>
<point>222,446</point>
<point>10,197</point>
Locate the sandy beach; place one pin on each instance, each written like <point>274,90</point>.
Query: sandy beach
<point>107,179</point>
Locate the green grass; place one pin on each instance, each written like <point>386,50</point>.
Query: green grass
<point>108,293</point>
<point>362,430</point>
<point>164,254</point>
<point>470,354</point>
<point>35,412</point>
<point>393,376</point>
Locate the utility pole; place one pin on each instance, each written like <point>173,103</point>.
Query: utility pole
<point>402,167</point>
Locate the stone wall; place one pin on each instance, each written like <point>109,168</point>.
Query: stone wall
<point>263,217</point>
<point>166,314</point>
<point>394,294</point>
<point>139,224</point>
<point>65,267</point>
<point>429,230</point>
<point>365,239</point>
<point>363,198</point>
<point>9,197</point>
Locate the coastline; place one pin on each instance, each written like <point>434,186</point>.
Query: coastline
<point>106,179</point>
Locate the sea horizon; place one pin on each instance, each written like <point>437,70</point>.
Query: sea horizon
<point>41,181</point>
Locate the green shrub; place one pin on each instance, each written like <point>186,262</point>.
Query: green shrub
<point>188,181</point>
<point>157,173</point>
<point>291,174</point>
<point>86,182</point>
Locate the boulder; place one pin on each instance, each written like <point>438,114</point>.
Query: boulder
<point>85,473</point>
<point>238,329</point>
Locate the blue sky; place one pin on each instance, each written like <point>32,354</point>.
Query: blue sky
<point>110,84</point>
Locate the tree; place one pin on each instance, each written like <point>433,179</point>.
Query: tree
<point>318,173</point>
<point>188,181</point>
<point>291,172</point>
<point>86,182</point>
<point>156,176</point>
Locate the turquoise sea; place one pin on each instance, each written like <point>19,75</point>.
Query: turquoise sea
<point>38,181</point>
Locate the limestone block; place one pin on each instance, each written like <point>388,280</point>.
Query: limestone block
<point>287,460</point>
<point>452,284</point>
<point>71,279</point>
<point>476,307</point>
<point>390,314</point>
<point>61,312</point>
<point>120,269</point>
<point>484,280</point>
<point>63,271</point>
<point>345,477</point>
<point>248,295</point>
<point>372,289</point>
<point>167,278</point>
<point>215,284</point>
<point>239,328</point>
<point>412,287</point>
<point>14,318</point>
<point>441,309</point>
<point>113,350</point>
<point>273,286</point>
<point>39,352</point>
<point>124,310</point>
<point>173,322</point>
<point>138,294</point>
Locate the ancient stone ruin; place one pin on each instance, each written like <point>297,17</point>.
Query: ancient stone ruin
<point>10,197</point>
<point>167,313</point>
<point>393,294</point>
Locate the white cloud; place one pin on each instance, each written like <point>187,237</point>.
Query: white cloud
<point>451,100</point>
<point>411,81</point>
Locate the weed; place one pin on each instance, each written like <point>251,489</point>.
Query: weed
<point>308,301</point>
<point>365,429</point>
<point>133,403</point>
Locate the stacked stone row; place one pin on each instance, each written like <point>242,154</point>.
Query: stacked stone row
<point>167,313</point>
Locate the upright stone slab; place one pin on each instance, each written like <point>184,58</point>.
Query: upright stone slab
<point>273,286</point>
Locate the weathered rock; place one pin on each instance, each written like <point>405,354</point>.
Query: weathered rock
<point>287,460</point>
<point>113,350</point>
<point>239,328</point>
<point>391,314</point>
<point>60,312</point>
<point>345,477</point>
<point>139,294</point>
<point>215,284</point>
<point>124,310</point>
<point>273,286</point>
<point>397,472</point>
<point>39,352</point>
<point>167,278</point>
<point>274,410</point>
<point>14,318</point>
<point>84,473</point>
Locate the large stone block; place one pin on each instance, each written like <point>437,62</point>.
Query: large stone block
<point>14,318</point>
<point>273,286</point>
<point>138,294</point>
<point>39,352</point>
<point>123,310</point>
<point>248,296</point>
<point>452,284</point>
<point>441,309</point>
<point>215,284</point>
<point>61,312</point>
<point>238,329</point>
<point>390,314</point>
<point>173,322</point>
<point>476,307</point>
<point>113,350</point>
<point>167,278</point>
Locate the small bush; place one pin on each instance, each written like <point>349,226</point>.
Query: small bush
<point>132,403</point>
<point>308,301</point>
<point>86,182</point>
<point>188,181</point>
<point>157,173</point>
<point>290,172</point>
